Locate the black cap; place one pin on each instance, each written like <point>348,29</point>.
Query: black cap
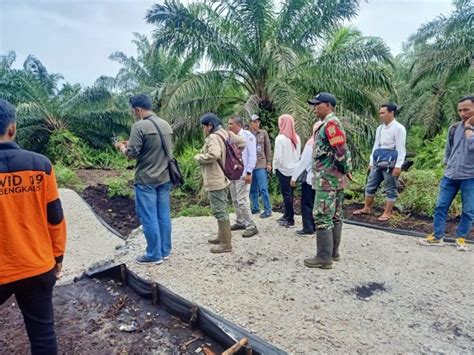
<point>323,97</point>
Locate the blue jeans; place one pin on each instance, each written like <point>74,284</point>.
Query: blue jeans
<point>448,190</point>
<point>260,187</point>
<point>153,209</point>
<point>376,177</point>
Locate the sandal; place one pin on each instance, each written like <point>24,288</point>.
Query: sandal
<point>360,212</point>
<point>383,219</point>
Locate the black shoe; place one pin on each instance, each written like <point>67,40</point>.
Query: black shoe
<point>255,211</point>
<point>281,220</point>
<point>287,224</point>
<point>302,233</point>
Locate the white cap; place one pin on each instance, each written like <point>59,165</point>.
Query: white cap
<point>254,117</point>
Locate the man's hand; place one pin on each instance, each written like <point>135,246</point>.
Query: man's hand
<point>57,269</point>
<point>269,168</point>
<point>292,183</point>
<point>121,146</point>
<point>396,171</point>
<point>248,179</point>
<point>470,121</point>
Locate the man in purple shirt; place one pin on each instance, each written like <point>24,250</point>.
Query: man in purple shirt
<point>458,176</point>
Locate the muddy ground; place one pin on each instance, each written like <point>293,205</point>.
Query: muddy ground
<point>89,317</point>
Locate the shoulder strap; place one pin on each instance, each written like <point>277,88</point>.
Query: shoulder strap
<point>452,132</point>
<point>161,137</point>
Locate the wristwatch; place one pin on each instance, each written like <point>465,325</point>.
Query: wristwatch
<point>249,173</point>
<point>469,128</point>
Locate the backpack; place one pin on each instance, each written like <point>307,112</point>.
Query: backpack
<point>451,133</point>
<point>233,167</point>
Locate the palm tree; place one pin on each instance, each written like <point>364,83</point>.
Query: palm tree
<point>440,59</point>
<point>153,71</point>
<point>91,114</point>
<point>270,59</point>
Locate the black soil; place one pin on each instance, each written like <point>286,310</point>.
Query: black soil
<point>89,315</point>
<point>119,212</point>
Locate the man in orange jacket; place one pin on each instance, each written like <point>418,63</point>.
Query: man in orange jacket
<point>32,234</point>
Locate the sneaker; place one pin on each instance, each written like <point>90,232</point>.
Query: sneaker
<point>166,257</point>
<point>250,232</point>
<point>303,233</point>
<point>265,214</point>
<point>461,244</point>
<point>236,227</point>
<point>255,211</point>
<point>287,224</point>
<point>143,260</point>
<point>431,240</point>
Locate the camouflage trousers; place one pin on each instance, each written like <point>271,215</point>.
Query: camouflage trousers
<point>328,208</point>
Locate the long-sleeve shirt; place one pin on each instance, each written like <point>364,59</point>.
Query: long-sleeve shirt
<point>249,154</point>
<point>391,136</point>
<point>305,163</point>
<point>286,155</point>
<point>146,147</point>
<point>264,149</point>
<point>32,226</point>
<point>459,157</point>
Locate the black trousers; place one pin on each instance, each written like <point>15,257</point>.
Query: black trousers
<point>307,204</point>
<point>287,193</point>
<point>34,296</point>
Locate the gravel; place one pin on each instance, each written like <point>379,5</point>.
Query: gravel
<point>89,243</point>
<point>386,295</point>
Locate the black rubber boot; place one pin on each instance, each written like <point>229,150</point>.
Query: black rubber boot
<point>324,244</point>
<point>336,236</point>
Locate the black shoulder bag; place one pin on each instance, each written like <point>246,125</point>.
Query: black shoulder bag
<point>176,177</point>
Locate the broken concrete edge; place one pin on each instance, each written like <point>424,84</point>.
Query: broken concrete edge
<point>223,331</point>
<point>397,231</point>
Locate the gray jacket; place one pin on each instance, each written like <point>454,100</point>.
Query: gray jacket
<point>459,157</point>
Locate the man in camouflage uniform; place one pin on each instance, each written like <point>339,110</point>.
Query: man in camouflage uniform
<point>332,167</point>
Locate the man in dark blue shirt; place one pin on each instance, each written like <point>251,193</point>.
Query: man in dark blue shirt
<point>458,175</point>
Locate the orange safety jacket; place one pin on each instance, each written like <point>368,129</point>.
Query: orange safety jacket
<point>32,226</point>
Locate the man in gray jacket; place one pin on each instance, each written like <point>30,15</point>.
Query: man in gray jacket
<point>458,176</point>
<point>152,182</point>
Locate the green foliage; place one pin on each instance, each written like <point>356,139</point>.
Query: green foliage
<point>67,178</point>
<point>436,69</point>
<point>121,185</point>
<point>194,211</point>
<point>356,191</point>
<point>431,154</point>
<point>269,58</point>
<point>67,149</point>
<point>71,151</point>
<point>191,171</point>
<point>92,114</point>
<point>421,193</point>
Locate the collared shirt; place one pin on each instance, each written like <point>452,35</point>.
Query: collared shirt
<point>249,154</point>
<point>459,157</point>
<point>391,136</point>
<point>264,149</point>
<point>146,147</point>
